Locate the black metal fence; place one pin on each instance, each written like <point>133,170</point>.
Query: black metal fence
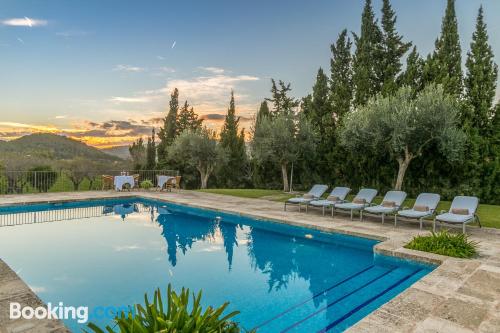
<point>19,182</point>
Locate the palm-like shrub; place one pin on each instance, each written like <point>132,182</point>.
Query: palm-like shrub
<point>178,316</point>
<point>146,184</point>
<point>445,243</point>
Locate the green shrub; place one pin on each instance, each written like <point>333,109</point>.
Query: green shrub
<point>445,243</point>
<point>146,184</point>
<point>175,318</point>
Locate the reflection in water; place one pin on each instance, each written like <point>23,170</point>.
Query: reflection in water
<point>183,231</point>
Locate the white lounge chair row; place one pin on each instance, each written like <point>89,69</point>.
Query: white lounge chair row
<point>462,211</point>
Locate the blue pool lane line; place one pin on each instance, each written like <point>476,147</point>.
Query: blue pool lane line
<point>313,297</point>
<point>336,301</point>
<point>359,307</point>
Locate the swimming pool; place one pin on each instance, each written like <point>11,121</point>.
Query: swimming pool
<point>108,253</point>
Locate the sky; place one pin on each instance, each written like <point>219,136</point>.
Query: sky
<point>102,71</point>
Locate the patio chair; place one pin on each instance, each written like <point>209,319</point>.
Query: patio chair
<point>314,194</point>
<point>425,206</point>
<point>390,205</point>
<point>337,196</point>
<point>136,180</point>
<point>107,182</point>
<point>462,211</point>
<point>362,200</point>
<point>173,183</point>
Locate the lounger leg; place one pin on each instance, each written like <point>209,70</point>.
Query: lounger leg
<point>323,210</point>
<point>434,225</point>
<point>421,222</point>
<point>383,218</point>
<point>361,215</point>
<point>395,220</point>
<point>333,209</point>
<point>307,206</point>
<point>463,228</point>
<point>351,214</point>
<point>299,207</point>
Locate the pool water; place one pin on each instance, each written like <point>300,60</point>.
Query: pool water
<point>282,278</point>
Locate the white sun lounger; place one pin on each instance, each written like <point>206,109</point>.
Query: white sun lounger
<point>425,206</point>
<point>314,194</point>
<point>362,200</point>
<point>462,211</point>
<point>390,204</point>
<point>337,196</point>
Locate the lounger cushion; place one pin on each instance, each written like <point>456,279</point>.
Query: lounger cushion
<point>413,213</point>
<point>460,211</point>
<point>332,198</point>
<point>380,209</point>
<point>359,201</point>
<point>350,205</point>
<point>421,208</point>
<point>454,218</point>
<point>299,200</point>
<point>321,203</point>
<point>391,204</point>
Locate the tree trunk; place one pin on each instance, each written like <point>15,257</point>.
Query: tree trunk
<point>284,173</point>
<point>403,166</point>
<point>204,175</point>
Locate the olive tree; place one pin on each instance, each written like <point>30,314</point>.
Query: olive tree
<point>199,149</point>
<point>403,126</point>
<point>281,139</point>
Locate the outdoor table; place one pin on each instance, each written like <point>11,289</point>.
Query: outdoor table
<point>162,180</point>
<point>122,180</point>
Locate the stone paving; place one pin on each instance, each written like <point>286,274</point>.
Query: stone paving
<point>460,295</point>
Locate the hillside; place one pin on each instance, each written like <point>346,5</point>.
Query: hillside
<point>52,147</point>
<point>119,151</point>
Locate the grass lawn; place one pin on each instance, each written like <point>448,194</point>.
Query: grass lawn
<point>488,214</point>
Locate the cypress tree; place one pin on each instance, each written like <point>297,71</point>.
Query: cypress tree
<point>413,74</point>
<point>233,141</point>
<point>263,111</point>
<point>169,131</point>
<point>392,50</point>
<point>482,74</point>
<point>445,65</point>
<point>151,152</point>
<point>317,108</point>
<point>341,86</point>
<point>366,57</point>
<point>282,103</point>
<point>187,119</point>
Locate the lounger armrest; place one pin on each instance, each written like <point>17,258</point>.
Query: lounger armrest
<point>406,207</point>
<point>442,211</point>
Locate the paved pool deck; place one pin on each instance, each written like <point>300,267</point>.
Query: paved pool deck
<point>460,295</point>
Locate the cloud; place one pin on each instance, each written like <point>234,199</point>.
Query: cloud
<point>127,248</point>
<point>24,22</point>
<point>208,88</point>
<point>140,99</point>
<point>20,40</point>
<point>213,116</point>
<point>173,44</point>
<point>214,70</point>
<point>128,68</point>
<point>63,116</point>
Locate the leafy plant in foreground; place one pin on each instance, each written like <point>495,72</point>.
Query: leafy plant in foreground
<point>445,243</point>
<point>175,318</point>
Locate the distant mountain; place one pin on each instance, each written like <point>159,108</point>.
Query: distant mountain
<point>118,151</point>
<point>52,147</point>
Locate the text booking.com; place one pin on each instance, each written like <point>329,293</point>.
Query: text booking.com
<point>59,311</point>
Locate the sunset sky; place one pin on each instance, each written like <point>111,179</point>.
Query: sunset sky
<point>102,71</point>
